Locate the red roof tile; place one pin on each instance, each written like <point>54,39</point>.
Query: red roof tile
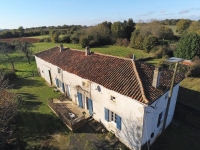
<point>125,76</point>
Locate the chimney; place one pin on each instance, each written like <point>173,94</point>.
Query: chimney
<point>61,48</point>
<point>87,51</point>
<point>133,57</point>
<point>156,77</point>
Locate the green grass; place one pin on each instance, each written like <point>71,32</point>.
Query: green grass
<point>155,61</point>
<point>108,49</point>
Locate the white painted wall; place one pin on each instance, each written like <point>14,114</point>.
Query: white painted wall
<point>151,116</point>
<point>133,133</point>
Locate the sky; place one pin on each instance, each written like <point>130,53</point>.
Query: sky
<point>35,13</point>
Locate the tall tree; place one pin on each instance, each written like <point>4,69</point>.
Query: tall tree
<point>118,30</point>
<point>5,50</point>
<point>129,27</point>
<point>188,46</point>
<point>25,48</point>
<point>21,31</point>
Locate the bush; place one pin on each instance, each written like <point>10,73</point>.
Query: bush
<point>64,39</point>
<point>122,42</point>
<point>150,42</point>
<point>45,40</point>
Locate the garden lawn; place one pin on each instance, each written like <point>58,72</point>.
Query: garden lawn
<point>36,121</point>
<point>108,49</point>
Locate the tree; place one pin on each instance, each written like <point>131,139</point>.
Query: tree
<point>95,36</point>
<point>136,40</point>
<point>129,27</point>
<point>54,36</point>
<point>21,31</point>
<point>150,42</point>
<point>25,48</point>
<point>183,25</point>
<point>194,27</point>
<point>188,46</point>
<point>118,30</point>
<point>5,50</point>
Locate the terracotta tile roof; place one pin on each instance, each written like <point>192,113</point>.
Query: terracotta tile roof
<point>125,76</point>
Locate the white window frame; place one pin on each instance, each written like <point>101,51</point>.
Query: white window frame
<point>112,117</point>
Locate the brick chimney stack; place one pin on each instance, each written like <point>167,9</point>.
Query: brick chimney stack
<point>87,51</point>
<point>61,47</point>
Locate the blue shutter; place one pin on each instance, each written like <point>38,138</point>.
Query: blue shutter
<point>118,120</point>
<point>56,82</point>
<point>80,99</point>
<point>90,106</point>
<point>63,87</point>
<point>106,114</point>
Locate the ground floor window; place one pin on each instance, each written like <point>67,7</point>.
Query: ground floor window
<point>160,118</point>
<point>110,116</point>
<point>60,84</point>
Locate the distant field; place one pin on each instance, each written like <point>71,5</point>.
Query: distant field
<point>39,37</point>
<point>10,40</point>
<point>108,49</point>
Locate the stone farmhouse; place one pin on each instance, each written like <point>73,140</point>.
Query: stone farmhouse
<point>127,97</point>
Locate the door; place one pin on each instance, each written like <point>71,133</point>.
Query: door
<point>68,91</point>
<point>80,102</point>
<point>47,74</point>
<point>90,106</point>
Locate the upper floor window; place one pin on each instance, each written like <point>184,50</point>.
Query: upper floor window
<point>112,98</point>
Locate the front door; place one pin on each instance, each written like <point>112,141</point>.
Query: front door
<point>47,74</point>
<point>80,102</point>
<point>90,106</point>
<point>68,91</point>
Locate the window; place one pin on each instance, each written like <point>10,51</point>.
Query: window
<point>160,119</point>
<point>112,98</point>
<point>112,117</point>
<point>60,85</point>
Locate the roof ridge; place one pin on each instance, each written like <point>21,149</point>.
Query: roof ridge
<point>140,82</point>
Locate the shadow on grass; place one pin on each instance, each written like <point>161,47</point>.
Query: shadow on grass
<point>189,97</point>
<point>27,96</point>
<point>36,128</point>
<point>27,82</point>
<point>29,105</point>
